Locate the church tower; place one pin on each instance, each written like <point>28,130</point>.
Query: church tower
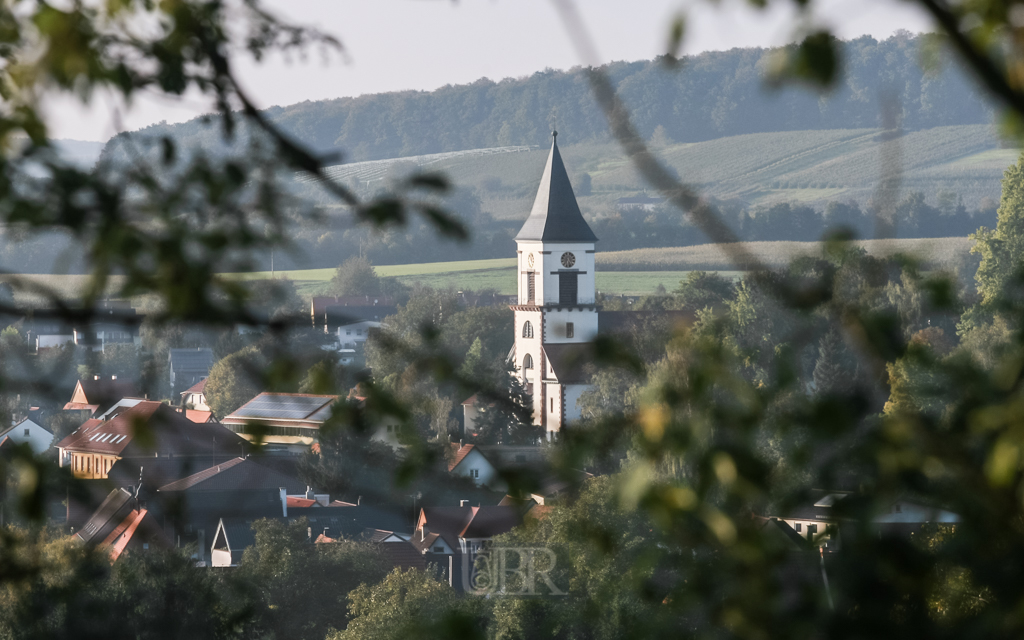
<point>556,314</point>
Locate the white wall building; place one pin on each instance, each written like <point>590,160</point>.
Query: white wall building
<point>555,315</point>
<point>29,432</point>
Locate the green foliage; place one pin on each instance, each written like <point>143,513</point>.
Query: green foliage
<point>702,289</point>
<point>234,380</point>
<point>407,604</point>
<point>77,593</point>
<point>303,588</point>
<point>356,277</point>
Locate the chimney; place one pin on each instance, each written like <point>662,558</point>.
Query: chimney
<point>284,501</point>
<point>113,377</point>
<point>423,534</point>
<point>309,493</point>
<point>95,377</point>
<point>359,500</point>
<point>463,503</point>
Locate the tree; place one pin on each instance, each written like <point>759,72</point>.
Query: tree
<point>356,277</point>
<point>832,372</point>
<point>406,604</point>
<point>302,587</point>
<point>509,419</point>
<point>704,289</point>
<point>1000,248</point>
<point>234,380</point>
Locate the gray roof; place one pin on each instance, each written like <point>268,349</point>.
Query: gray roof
<point>556,216</point>
<point>286,406</point>
<point>569,361</point>
<point>240,474</point>
<point>191,359</point>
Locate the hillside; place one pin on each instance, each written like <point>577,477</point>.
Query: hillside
<point>710,95</point>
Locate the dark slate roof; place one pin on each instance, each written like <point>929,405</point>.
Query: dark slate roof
<point>240,474</point>
<point>556,215</point>
<point>191,359</point>
<point>611,322</point>
<point>570,360</point>
<point>110,513</point>
<point>336,315</point>
<point>453,523</point>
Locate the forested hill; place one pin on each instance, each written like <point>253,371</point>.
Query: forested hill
<point>711,95</point>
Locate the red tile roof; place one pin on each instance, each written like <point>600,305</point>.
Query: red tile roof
<point>460,455</point>
<point>126,530</point>
<point>199,417</point>
<point>163,431</point>
<point>196,388</point>
<point>295,502</point>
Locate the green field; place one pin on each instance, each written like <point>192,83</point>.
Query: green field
<point>758,168</point>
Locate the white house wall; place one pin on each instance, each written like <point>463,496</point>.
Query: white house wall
<point>28,432</point>
<point>475,461</point>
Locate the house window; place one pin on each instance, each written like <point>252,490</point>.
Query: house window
<point>531,288</point>
<point>348,333</point>
<point>438,549</point>
<point>569,331</point>
<point>812,530</point>
<point>552,405</point>
<point>798,527</point>
<point>897,508</point>
<point>474,473</point>
<point>527,361</point>
<point>26,432</point>
<point>567,288</point>
<point>527,329</point>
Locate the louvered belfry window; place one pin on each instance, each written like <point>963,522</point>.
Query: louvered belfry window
<point>527,330</point>
<point>567,288</point>
<point>531,288</point>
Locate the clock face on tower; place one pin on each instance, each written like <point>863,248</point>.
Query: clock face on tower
<point>529,260</point>
<point>568,260</point>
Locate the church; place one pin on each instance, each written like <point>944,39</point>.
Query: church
<point>556,313</point>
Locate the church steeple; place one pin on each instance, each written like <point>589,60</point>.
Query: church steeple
<point>555,216</point>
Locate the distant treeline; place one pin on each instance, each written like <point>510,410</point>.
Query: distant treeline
<point>708,96</point>
<point>318,246</point>
<point>913,217</point>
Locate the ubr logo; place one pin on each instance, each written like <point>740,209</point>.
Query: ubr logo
<point>510,571</point>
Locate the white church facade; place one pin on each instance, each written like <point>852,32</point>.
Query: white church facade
<point>556,316</point>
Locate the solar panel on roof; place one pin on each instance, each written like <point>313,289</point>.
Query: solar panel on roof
<point>283,407</point>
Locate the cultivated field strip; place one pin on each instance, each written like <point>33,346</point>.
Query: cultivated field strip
<point>372,170</point>
<point>937,252</point>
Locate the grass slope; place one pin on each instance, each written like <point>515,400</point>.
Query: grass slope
<point>759,168</point>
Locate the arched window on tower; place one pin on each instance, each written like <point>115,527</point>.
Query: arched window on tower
<point>527,330</point>
<point>528,361</point>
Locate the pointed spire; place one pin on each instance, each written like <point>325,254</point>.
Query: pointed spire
<point>556,216</point>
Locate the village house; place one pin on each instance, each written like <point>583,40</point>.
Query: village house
<point>121,523</point>
<point>99,394</point>
<point>468,461</point>
<point>147,429</point>
<point>29,432</point>
<point>194,397</point>
<point>290,422</point>
<point>187,367</point>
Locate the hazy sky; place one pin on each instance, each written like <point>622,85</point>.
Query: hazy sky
<point>425,44</point>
